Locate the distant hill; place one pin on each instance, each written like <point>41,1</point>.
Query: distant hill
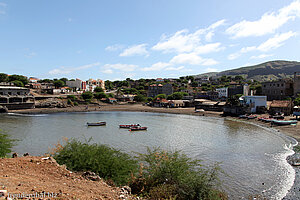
<point>267,71</point>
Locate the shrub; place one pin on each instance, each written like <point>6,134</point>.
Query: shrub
<point>72,97</point>
<point>87,96</point>
<point>100,95</point>
<point>75,103</point>
<point>6,143</point>
<point>107,162</point>
<point>98,89</point>
<point>168,175</point>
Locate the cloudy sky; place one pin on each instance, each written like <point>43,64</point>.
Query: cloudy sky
<point>118,39</point>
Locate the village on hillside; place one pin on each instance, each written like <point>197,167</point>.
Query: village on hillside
<point>232,95</point>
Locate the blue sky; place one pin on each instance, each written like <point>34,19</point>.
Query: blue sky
<point>118,39</point>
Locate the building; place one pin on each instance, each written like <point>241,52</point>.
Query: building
<point>278,90</point>
<point>282,107</point>
<point>77,84</point>
<point>14,98</point>
<point>255,104</point>
<point>238,89</point>
<point>157,89</point>
<point>91,84</point>
<point>176,103</point>
<point>223,92</point>
<point>159,80</point>
<point>296,83</point>
<point>33,80</point>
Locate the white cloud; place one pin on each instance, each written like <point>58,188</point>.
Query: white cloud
<point>108,71</point>
<point>276,41</point>
<point>192,59</point>
<point>175,68</point>
<point>234,56</point>
<point>271,44</point>
<point>31,54</point>
<point>67,70</point>
<point>70,19</point>
<point>211,70</point>
<point>3,6</point>
<point>121,67</point>
<point>135,50</point>
<point>114,47</point>
<point>183,41</point>
<point>261,56</point>
<point>267,24</point>
<point>208,48</point>
<point>156,66</point>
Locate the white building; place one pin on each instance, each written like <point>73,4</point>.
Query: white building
<point>91,84</point>
<point>223,92</point>
<point>254,101</point>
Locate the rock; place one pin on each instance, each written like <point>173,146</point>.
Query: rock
<point>91,176</point>
<point>26,154</point>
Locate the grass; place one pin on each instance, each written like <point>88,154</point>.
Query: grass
<point>6,143</point>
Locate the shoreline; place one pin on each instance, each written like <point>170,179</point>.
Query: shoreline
<point>289,131</point>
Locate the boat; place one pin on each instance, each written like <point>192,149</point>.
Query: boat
<point>138,129</point>
<point>267,119</point>
<point>96,124</point>
<point>243,116</point>
<point>251,117</point>
<point>129,125</point>
<point>283,122</point>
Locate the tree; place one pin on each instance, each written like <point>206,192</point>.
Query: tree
<point>161,96</point>
<point>149,99</point>
<point>108,85</point>
<point>64,80</point>
<point>100,95</point>
<point>6,143</point>
<point>59,83</point>
<point>21,78</point>
<point>297,101</point>
<point>18,83</point>
<point>140,98</point>
<point>3,77</point>
<point>194,84</point>
<point>87,96</point>
<point>98,89</point>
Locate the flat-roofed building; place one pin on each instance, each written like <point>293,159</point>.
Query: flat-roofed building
<point>278,90</point>
<point>16,98</point>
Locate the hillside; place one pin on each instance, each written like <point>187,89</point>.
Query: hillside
<point>262,72</point>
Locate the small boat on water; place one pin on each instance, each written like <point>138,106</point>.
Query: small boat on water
<point>96,124</point>
<point>129,125</point>
<point>283,122</point>
<point>138,129</point>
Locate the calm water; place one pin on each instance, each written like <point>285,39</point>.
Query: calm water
<point>252,157</point>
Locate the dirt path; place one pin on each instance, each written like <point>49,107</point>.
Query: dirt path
<point>33,175</point>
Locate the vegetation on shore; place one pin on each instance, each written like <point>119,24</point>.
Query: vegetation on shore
<point>156,174</point>
<point>6,143</point>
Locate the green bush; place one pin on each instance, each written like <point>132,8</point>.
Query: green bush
<point>75,103</point>
<point>87,96</point>
<point>167,175</point>
<point>72,97</point>
<point>108,163</point>
<point>6,143</point>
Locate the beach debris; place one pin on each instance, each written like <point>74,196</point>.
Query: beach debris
<point>91,176</point>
